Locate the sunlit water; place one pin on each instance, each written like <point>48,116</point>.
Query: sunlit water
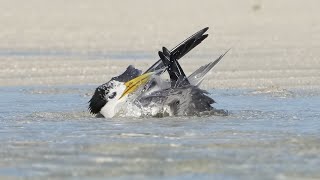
<point>46,132</point>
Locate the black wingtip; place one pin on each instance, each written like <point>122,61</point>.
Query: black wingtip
<point>202,31</point>
<point>183,48</point>
<point>160,54</point>
<point>166,52</point>
<point>204,36</point>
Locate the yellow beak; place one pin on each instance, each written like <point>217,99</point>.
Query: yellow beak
<point>135,83</point>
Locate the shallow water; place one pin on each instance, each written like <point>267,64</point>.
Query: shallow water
<point>46,133</point>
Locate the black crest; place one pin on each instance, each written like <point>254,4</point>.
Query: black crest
<point>98,99</point>
<point>100,96</point>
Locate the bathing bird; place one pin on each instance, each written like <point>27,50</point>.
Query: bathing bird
<point>134,93</point>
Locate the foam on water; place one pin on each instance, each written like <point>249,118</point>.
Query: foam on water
<point>270,133</point>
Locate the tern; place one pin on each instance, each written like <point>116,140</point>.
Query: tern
<point>148,94</point>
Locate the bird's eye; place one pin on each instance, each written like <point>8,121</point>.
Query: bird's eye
<point>112,95</point>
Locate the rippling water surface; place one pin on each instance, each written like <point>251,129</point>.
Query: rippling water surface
<point>45,132</point>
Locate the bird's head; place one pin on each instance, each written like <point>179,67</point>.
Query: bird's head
<point>108,96</point>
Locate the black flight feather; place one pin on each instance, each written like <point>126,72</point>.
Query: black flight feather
<point>183,48</point>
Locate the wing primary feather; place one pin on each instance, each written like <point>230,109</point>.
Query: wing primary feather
<point>172,72</point>
<point>176,73</point>
<point>196,39</point>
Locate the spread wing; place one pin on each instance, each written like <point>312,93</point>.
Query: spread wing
<point>183,48</point>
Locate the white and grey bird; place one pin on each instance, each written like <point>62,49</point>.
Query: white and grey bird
<point>147,94</point>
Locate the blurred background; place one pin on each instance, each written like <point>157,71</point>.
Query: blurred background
<point>282,37</point>
<point>54,53</point>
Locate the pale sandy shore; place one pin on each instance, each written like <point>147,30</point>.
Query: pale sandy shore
<point>228,74</point>
<point>273,43</point>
